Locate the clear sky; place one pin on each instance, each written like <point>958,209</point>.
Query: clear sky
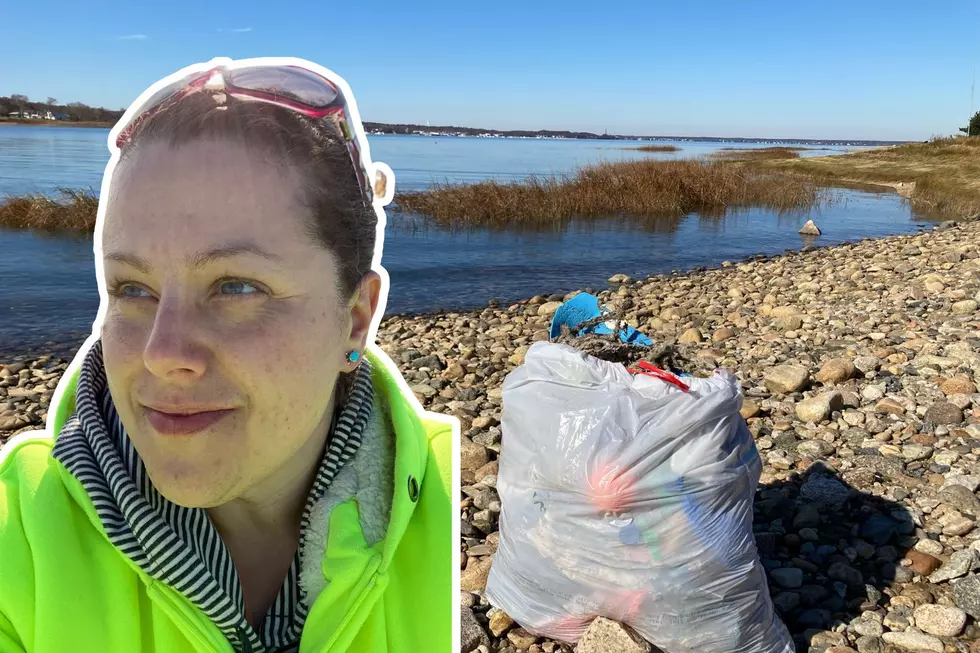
<point>900,69</point>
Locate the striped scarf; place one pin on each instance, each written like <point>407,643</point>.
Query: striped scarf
<point>180,546</point>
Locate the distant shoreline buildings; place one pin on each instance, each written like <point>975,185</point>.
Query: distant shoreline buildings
<point>379,129</point>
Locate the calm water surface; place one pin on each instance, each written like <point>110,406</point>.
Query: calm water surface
<point>47,283</point>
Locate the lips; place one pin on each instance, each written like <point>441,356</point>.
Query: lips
<point>167,423</point>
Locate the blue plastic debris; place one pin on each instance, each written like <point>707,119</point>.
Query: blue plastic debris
<point>584,307</point>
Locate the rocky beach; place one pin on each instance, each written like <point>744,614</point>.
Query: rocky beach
<point>859,364</point>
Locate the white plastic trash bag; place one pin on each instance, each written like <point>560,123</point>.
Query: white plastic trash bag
<point>630,498</point>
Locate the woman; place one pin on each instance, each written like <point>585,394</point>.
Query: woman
<point>230,464</point>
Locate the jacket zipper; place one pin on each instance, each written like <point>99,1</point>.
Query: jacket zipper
<point>192,627</point>
<point>362,597</point>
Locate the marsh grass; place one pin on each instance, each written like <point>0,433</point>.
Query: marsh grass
<point>70,209</point>
<point>945,172</point>
<point>627,188</point>
<point>758,154</point>
<point>655,148</point>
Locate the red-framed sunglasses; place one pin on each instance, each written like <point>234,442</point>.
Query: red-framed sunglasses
<point>288,86</point>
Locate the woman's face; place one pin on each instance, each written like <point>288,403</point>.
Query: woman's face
<point>220,308</point>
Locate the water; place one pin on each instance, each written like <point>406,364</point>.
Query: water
<point>48,291</point>
<point>40,159</point>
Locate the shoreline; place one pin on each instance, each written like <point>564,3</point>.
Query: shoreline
<point>492,304</point>
<point>57,123</point>
<point>877,348</point>
<point>550,295</point>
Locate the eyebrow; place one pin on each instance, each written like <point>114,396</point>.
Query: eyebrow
<point>201,259</point>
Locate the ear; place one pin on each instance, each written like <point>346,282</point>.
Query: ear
<point>362,307</point>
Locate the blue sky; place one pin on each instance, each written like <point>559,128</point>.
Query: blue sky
<point>830,69</point>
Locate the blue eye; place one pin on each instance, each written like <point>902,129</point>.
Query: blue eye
<point>129,291</point>
<point>237,287</point>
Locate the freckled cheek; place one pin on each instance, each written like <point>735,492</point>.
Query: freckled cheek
<point>123,341</point>
<point>288,353</point>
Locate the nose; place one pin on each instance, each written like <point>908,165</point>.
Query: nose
<point>174,350</point>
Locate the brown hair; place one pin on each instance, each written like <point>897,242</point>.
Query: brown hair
<point>339,217</point>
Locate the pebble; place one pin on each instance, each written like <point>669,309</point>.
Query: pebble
<point>922,563</point>
<point>521,638</point>
<point>500,623</point>
<point>929,547</point>
<point>889,406</point>
<point>472,634</point>
<point>817,409</point>
<point>966,594</point>
<point>965,307</point>
<point>474,577</point>
<point>862,487</point>
<point>606,636</point>
<point>944,413</point>
<point>788,577</point>
<point>835,371</point>
<point>916,642</point>
<point>870,644</point>
<point>785,379</point>
<point>940,620</point>
<point>961,498</point>
<point>958,385</point>
<point>827,490</point>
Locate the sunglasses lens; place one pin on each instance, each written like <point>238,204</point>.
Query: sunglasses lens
<point>293,83</point>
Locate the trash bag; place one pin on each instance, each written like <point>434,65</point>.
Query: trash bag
<point>630,497</point>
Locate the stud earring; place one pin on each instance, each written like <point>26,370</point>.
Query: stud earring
<point>353,356</point>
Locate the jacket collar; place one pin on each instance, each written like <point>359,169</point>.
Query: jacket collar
<point>411,443</point>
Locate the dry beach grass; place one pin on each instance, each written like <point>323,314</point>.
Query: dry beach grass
<point>632,188</point>
<point>758,154</point>
<point>941,177</point>
<point>655,148</point>
<point>69,210</point>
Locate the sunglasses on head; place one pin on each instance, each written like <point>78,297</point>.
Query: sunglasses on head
<point>288,86</point>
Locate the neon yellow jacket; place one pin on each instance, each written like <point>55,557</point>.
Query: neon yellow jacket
<point>64,587</point>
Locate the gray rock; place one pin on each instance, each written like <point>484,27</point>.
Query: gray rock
<point>814,618</point>
<point>605,635</point>
<point>813,594</point>
<point>878,529</point>
<point>869,644</point>
<point>866,364</point>
<point>969,481</point>
<point>786,602</point>
<point>873,393</point>
<point>846,574</point>
<point>868,628</point>
<point>807,517</point>
<point>897,620</point>
<point>913,452</point>
<point>961,498</point>
<point>815,449</point>
<point>810,229</point>
<point>472,634</point>
<point>788,577</point>
<point>895,572</point>
<point>966,594</point>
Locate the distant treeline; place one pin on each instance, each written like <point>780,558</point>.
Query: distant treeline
<point>19,106</point>
<point>386,128</point>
